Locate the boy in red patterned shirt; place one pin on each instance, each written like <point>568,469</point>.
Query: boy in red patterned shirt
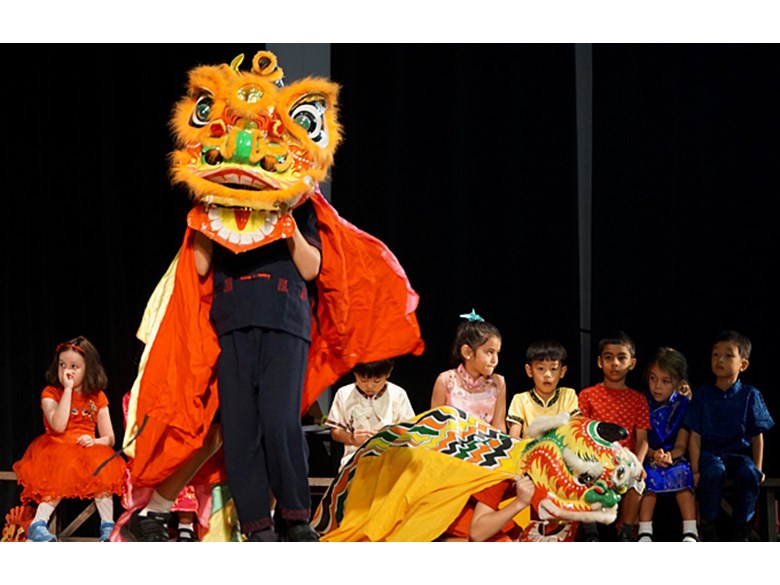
<point>612,401</point>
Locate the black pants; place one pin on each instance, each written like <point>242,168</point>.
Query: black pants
<point>260,375</point>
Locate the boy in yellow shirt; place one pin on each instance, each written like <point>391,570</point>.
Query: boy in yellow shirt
<point>545,364</point>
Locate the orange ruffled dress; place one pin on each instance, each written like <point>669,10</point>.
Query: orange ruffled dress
<point>55,466</point>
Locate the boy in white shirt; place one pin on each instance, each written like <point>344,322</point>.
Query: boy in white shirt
<point>360,409</point>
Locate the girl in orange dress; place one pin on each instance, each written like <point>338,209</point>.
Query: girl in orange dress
<point>69,460</point>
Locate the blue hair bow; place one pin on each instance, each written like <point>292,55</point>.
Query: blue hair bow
<point>472,316</point>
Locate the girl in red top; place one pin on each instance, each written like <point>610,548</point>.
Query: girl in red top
<point>67,461</point>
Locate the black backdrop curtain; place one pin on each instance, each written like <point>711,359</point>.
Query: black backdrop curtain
<point>685,188</point>
<point>462,158</point>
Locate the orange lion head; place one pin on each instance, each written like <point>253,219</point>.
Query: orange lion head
<point>250,149</point>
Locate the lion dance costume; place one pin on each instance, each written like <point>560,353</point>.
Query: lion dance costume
<point>250,150</point>
<point>412,480</point>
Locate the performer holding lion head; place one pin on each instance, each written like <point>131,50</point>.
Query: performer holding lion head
<point>271,299</point>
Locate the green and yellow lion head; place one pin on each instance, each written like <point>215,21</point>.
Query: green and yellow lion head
<point>579,469</point>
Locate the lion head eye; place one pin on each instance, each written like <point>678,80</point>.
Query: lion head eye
<point>201,114</point>
<point>309,114</point>
<point>586,479</point>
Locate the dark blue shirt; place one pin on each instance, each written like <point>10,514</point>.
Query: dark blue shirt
<point>727,421</point>
<point>262,287</point>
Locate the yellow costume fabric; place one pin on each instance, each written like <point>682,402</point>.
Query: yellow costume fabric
<point>415,478</point>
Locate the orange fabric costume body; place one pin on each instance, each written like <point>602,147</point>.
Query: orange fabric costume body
<point>365,312</point>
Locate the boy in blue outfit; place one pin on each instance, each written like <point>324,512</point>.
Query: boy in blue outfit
<point>728,419</point>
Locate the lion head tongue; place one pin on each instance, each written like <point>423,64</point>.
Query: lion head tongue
<point>242,217</point>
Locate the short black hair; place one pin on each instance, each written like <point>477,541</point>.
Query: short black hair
<point>374,369</point>
<point>618,338</point>
<point>742,341</point>
<point>545,349</point>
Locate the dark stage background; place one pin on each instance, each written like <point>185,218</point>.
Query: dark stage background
<point>464,159</point>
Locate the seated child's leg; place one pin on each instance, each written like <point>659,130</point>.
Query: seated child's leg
<point>646,508</point>
<point>45,510</point>
<point>629,514</point>
<point>712,473</point>
<point>105,508</point>
<point>687,503</point>
<point>747,484</point>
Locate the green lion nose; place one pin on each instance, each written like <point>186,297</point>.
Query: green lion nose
<point>243,146</point>
<point>602,494</point>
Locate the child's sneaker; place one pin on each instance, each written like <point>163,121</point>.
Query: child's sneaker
<point>39,532</point>
<point>626,533</point>
<point>266,535</point>
<point>150,528</point>
<point>105,531</point>
<point>301,532</point>
<point>590,532</point>
<point>742,532</point>
<point>186,535</point>
<point>708,531</point>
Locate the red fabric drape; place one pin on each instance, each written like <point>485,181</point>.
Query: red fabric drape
<point>177,397</point>
<point>365,312</point>
<point>366,307</point>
